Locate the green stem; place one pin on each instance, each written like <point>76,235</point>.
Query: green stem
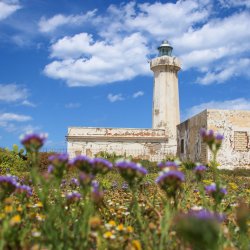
<point>165,226</point>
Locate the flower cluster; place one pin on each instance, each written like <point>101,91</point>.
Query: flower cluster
<point>205,214</point>
<point>213,140</point>
<point>73,197</point>
<point>100,165</point>
<point>132,172</point>
<point>198,228</point>
<point>91,166</point>
<point>170,165</point>
<point>216,191</point>
<point>10,184</point>
<point>74,182</point>
<point>97,194</point>
<point>24,189</point>
<point>199,171</point>
<point>33,142</point>
<point>58,164</point>
<point>170,181</point>
<point>83,163</point>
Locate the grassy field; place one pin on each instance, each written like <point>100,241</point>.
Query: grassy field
<point>97,204</point>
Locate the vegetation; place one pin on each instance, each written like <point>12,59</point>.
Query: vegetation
<point>110,203</point>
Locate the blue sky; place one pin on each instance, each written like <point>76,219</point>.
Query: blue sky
<point>85,62</point>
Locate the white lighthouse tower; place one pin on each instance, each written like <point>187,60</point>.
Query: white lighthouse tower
<point>166,113</point>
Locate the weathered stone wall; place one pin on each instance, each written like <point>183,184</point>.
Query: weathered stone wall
<point>189,143</point>
<point>151,144</point>
<point>233,124</point>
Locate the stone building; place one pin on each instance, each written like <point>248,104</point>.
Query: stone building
<point>233,124</point>
<point>167,135</point>
<point>152,144</point>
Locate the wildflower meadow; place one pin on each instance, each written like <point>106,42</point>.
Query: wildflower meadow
<point>116,203</point>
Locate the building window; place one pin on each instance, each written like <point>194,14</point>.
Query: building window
<point>182,146</point>
<point>77,153</point>
<point>240,141</point>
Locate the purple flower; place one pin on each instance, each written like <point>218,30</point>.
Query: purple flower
<point>169,164</point>
<point>33,142</point>
<point>50,169</point>
<point>219,137</point>
<point>200,229</point>
<point>125,185</point>
<point>218,140</point>
<point>199,170</point>
<point>74,182</point>
<point>63,183</point>
<point>216,191</point>
<point>8,184</point>
<point>204,214</point>
<point>223,190</point>
<point>101,165</point>
<point>131,167</point>
<point>83,163</point>
<point>131,172</point>
<point>171,175</point>
<point>211,188</point>
<point>73,197</point>
<point>85,179</point>
<point>203,132</point>
<point>114,184</point>
<point>58,164</point>
<point>97,194</point>
<point>95,184</point>
<point>58,158</point>
<point>213,141</point>
<point>170,181</point>
<point>24,189</point>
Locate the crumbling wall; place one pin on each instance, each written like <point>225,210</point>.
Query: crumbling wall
<point>189,144</point>
<point>235,127</point>
<point>151,144</point>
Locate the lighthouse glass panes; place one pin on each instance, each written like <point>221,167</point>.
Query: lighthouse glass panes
<point>165,49</point>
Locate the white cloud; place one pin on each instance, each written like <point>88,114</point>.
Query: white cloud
<point>129,32</point>
<point>12,93</point>
<point>234,3</point>
<point>28,129</point>
<point>228,71</point>
<point>138,94</point>
<point>72,105</point>
<point>159,20</point>
<point>12,117</point>
<point>7,8</point>
<point>16,123</point>
<point>236,104</point>
<point>28,103</point>
<point>83,62</point>
<point>51,24</point>
<point>215,41</point>
<point>115,98</point>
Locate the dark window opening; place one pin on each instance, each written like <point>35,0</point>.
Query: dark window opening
<point>182,146</point>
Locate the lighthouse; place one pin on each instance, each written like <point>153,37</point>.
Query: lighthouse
<point>166,113</point>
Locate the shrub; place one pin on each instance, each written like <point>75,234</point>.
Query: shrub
<point>112,157</point>
<point>44,162</point>
<point>189,165</point>
<point>12,162</point>
<point>150,166</point>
